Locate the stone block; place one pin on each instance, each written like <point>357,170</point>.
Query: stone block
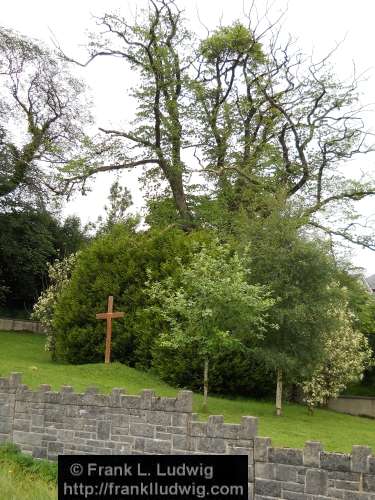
<point>21,407</point>
<point>130,401</point>
<point>248,428</point>
<point>311,453</point>
<point>5,426</point>
<point>267,488</point>
<point>37,420</point>
<point>6,410</point>
<point>346,485</point>
<point>353,495</point>
<point>116,396</point>
<point>164,404</point>
<point>265,470</point>
<point>20,437</point>
<point>215,426</point>
<point>165,436</point>
<point>20,425</point>
<point>335,461</point>
<point>65,435</point>
<point>232,449</point>
<point>211,445</point>
<point>157,446</point>
<point>39,452</point>
<point>369,483</point>
<point>72,411</point>
<point>159,418</point>
<point>345,476</point>
<point>371,464</point>
<point>66,389</point>
<point>15,379</point>
<point>360,455</point>
<point>182,443</point>
<point>261,446</point>
<point>55,448</point>
<point>198,429</point>
<point>184,402</point>
<point>231,431</point>
<point>176,430</point>
<point>180,419</point>
<point>44,388</point>
<point>286,473</point>
<point>288,456</point>
<point>333,493</point>
<point>316,482</point>
<point>103,430</point>
<point>250,491</point>
<point>146,430</point>
<point>292,486</point>
<point>251,472</point>
<point>139,444</point>
<point>146,399</point>
<point>293,495</point>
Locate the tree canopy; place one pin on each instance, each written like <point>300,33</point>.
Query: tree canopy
<point>42,114</point>
<point>252,117</point>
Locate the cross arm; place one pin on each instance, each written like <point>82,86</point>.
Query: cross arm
<point>110,315</point>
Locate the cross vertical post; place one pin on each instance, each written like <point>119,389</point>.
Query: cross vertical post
<point>109,315</point>
<point>108,339</point>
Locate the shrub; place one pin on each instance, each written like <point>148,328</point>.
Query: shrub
<point>346,355</point>
<point>115,264</point>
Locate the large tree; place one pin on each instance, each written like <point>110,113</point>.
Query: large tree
<point>260,120</point>
<point>42,113</point>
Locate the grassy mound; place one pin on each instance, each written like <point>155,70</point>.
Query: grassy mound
<point>25,353</point>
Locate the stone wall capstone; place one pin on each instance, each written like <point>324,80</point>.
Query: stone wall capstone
<point>45,423</point>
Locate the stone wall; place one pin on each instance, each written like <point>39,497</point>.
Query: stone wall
<point>45,423</point>
<point>21,325</point>
<point>353,405</point>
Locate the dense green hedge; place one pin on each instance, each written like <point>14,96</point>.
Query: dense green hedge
<point>116,264</point>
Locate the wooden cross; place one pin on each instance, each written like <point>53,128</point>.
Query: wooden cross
<point>109,315</point>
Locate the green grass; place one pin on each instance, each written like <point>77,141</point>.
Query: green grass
<point>25,353</point>
<point>23,477</point>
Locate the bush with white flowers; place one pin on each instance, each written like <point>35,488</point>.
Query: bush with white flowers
<point>59,274</point>
<point>346,354</point>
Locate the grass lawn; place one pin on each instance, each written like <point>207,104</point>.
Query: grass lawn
<point>25,353</point>
<point>23,477</point>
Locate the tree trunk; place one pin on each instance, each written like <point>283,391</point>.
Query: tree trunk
<point>279,392</point>
<point>205,385</point>
<point>179,196</point>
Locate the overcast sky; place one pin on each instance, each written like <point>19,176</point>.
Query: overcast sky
<point>318,25</point>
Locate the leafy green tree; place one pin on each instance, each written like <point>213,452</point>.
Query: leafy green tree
<point>211,307</point>
<point>29,240</point>
<point>361,302</point>
<point>259,119</point>
<point>302,277</point>
<point>42,100</point>
<point>115,264</point>
<point>26,245</point>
